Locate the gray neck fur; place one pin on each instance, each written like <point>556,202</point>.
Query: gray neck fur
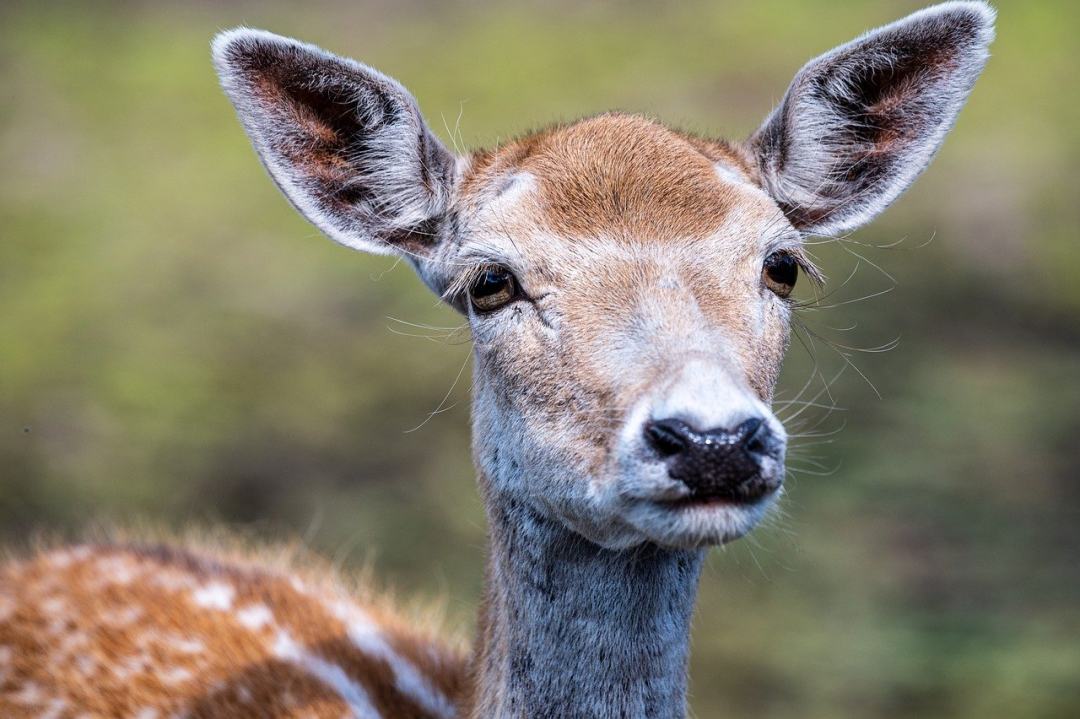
<point>569,629</point>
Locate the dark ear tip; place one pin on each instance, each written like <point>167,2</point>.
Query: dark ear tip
<point>986,12</point>
<point>236,49</point>
<point>228,45</point>
<point>973,16</point>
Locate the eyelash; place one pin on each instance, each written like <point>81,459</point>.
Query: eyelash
<point>806,265</point>
<point>457,293</point>
<point>458,290</point>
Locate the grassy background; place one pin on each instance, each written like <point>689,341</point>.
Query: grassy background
<point>178,347</point>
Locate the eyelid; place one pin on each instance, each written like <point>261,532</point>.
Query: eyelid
<point>798,253</point>
<point>458,289</point>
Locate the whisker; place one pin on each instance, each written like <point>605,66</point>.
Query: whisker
<point>442,407</point>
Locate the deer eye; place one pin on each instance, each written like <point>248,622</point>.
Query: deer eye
<point>780,273</point>
<point>494,288</point>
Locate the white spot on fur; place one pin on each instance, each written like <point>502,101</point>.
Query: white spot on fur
<point>85,665</point>
<point>145,713</point>
<point>364,633</point>
<point>285,647</point>
<point>255,616</point>
<point>60,559</point>
<point>28,695</point>
<point>116,570</point>
<point>54,709</point>
<point>176,675</point>
<point>728,174</point>
<point>7,609</point>
<point>54,605</point>
<point>186,646</point>
<point>134,665</point>
<point>72,642</point>
<point>216,595</point>
<point>63,558</point>
<point>173,581</point>
<point>513,187</point>
<point>122,617</point>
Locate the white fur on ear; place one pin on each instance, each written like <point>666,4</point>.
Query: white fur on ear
<point>859,123</point>
<point>345,143</point>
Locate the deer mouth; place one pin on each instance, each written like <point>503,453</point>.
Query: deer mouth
<point>693,521</point>
<point>695,500</point>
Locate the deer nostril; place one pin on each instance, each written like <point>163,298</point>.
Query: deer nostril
<point>755,435</point>
<point>716,463</point>
<point>668,436</point>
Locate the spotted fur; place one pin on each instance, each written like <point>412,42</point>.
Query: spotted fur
<point>138,631</point>
<point>637,252</point>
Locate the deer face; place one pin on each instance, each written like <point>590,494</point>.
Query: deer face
<point>626,285</point>
<point>626,329</point>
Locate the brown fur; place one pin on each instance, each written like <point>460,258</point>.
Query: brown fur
<point>114,630</point>
<point>619,175</point>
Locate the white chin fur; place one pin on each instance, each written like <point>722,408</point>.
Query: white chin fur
<point>697,525</point>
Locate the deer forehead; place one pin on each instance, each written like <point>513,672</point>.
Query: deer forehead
<point>615,176</point>
<point>644,239</point>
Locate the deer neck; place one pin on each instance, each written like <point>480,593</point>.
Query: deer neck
<point>568,628</point>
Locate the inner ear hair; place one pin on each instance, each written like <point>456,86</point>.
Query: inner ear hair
<point>859,123</point>
<point>345,143</point>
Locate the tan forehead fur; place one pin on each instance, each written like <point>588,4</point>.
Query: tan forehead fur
<point>621,176</point>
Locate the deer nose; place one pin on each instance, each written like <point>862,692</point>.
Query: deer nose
<point>718,463</point>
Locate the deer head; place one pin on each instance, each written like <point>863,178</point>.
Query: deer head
<point>627,285</point>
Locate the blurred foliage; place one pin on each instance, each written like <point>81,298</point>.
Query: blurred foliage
<point>176,345</point>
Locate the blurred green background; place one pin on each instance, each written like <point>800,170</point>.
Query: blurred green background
<point>177,346</point>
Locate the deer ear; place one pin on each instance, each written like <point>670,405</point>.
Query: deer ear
<point>345,143</point>
<point>859,123</point>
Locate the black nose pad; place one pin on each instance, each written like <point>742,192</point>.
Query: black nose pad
<point>717,463</point>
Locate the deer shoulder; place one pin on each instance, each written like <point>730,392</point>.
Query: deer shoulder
<point>131,631</point>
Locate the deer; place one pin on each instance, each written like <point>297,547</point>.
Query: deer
<point>628,287</point>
